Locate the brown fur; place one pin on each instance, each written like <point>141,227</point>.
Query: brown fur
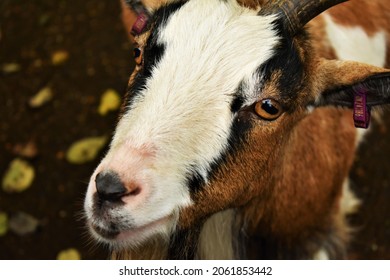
<point>300,205</point>
<point>253,4</point>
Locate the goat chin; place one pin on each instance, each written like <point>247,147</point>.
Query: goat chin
<point>154,249</point>
<point>216,241</point>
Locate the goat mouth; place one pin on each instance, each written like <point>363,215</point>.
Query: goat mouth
<point>105,233</point>
<point>136,233</point>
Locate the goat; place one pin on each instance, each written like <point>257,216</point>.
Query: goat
<point>237,136</point>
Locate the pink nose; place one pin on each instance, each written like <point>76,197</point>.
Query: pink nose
<point>110,187</point>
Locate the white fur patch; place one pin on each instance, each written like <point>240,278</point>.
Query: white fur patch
<point>353,43</point>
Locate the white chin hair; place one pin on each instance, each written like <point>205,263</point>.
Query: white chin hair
<point>136,237</point>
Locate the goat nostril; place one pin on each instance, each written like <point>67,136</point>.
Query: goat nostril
<point>135,192</point>
<point>109,186</point>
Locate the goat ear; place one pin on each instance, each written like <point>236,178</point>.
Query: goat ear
<point>337,82</point>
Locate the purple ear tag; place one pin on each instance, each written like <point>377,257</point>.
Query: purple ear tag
<point>142,16</point>
<point>140,24</point>
<point>361,112</point>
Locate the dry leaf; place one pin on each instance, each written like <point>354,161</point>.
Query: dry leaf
<point>9,68</point>
<point>85,149</point>
<point>23,224</point>
<point>59,57</point>
<point>28,150</point>
<point>3,223</point>
<point>18,177</point>
<point>69,254</point>
<point>41,98</point>
<point>110,101</point>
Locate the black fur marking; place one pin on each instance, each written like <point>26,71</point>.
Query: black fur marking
<point>195,180</point>
<point>153,51</point>
<point>289,63</point>
<point>237,103</point>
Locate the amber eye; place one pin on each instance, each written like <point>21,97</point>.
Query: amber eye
<point>138,55</point>
<point>268,109</point>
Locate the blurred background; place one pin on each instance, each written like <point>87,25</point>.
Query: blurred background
<point>63,66</point>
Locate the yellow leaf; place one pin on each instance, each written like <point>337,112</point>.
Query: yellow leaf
<point>110,101</point>
<point>85,149</point>
<point>59,57</point>
<point>42,97</point>
<point>69,254</point>
<point>3,223</point>
<point>18,177</point>
<point>9,68</point>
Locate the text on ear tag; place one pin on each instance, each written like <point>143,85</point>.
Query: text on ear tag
<point>140,24</point>
<point>361,111</point>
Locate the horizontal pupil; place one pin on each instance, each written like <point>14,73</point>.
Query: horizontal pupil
<point>269,108</point>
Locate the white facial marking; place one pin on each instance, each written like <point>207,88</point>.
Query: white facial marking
<point>353,43</point>
<point>183,117</point>
<point>185,110</point>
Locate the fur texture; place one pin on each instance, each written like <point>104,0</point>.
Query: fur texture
<point>208,174</point>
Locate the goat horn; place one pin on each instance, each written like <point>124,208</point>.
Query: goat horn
<point>296,13</point>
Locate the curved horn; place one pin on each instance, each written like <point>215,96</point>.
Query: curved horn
<point>296,13</point>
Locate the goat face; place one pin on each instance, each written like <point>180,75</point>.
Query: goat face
<point>209,113</point>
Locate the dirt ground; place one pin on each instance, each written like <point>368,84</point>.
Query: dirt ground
<point>99,58</point>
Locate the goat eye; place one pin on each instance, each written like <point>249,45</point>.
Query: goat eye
<point>138,55</point>
<point>268,109</point>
